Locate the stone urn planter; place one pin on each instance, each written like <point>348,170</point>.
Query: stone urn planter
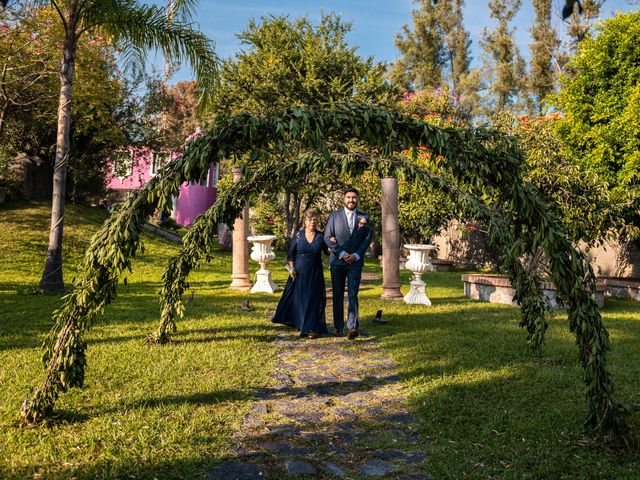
<point>262,253</point>
<point>418,263</point>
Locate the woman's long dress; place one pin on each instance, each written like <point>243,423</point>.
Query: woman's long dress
<point>304,298</point>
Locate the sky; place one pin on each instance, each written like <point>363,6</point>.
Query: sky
<point>375,22</point>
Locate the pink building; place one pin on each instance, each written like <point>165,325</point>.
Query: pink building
<point>133,168</point>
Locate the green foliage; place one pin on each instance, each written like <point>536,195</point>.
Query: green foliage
<point>600,101</point>
<point>582,14</point>
<point>267,218</point>
<point>138,28</point>
<point>290,63</point>
<point>590,211</point>
<point>8,178</point>
<point>294,62</point>
<point>144,412</point>
<point>421,49</point>
<point>505,67</point>
<point>436,53</point>
<point>542,78</point>
<point>29,122</point>
<point>167,115</point>
<point>424,209</point>
<point>487,163</point>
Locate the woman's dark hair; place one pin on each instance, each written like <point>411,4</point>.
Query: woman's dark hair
<point>351,190</point>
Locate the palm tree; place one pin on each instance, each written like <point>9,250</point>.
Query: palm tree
<point>135,28</point>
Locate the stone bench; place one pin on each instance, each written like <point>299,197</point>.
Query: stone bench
<point>498,289</point>
<point>620,287</point>
<point>442,265</point>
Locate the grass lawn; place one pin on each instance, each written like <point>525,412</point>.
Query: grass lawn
<point>489,409</point>
<point>145,411</point>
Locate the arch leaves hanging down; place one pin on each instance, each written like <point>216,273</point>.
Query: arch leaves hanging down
<point>481,164</point>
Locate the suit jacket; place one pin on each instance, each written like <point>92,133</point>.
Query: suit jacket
<point>356,242</point>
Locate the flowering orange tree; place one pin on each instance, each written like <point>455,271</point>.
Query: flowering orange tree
<point>424,210</point>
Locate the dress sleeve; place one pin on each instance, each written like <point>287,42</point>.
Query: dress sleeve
<point>293,247</point>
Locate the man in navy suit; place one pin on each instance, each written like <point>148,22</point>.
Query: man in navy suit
<point>348,235</point>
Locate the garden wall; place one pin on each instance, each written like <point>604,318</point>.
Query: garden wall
<point>468,247</point>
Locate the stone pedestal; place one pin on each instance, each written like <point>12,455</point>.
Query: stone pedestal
<point>240,272</point>
<point>418,263</point>
<point>390,240</point>
<point>263,254</point>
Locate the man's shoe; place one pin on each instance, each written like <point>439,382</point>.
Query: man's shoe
<point>353,334</point>
<point>339,333</point>
<point>313,335</point>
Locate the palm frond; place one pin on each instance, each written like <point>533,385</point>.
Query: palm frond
<point>138,29</point>
<point>182,8</point>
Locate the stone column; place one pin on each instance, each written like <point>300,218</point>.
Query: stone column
<point>240,273</point>
<point>390,240</point>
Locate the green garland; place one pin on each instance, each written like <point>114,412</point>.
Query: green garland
<point>486,166</point>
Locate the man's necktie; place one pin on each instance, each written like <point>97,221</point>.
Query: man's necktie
<point>350,222</point>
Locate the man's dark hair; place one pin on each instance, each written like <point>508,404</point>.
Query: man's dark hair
<point>351,190</point>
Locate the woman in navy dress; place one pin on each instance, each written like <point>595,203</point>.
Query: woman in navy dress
<point>304,298</point>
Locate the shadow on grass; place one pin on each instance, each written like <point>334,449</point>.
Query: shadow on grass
<point>493,409</point>
<point>194,467</point>
<point>200,398</point>
<point>25,318</point>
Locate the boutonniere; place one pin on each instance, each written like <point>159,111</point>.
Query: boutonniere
<point>362,221</point>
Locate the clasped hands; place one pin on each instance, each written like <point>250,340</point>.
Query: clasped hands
<point>347,257</point>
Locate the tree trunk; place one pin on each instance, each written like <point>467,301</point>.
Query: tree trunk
<point>3,113</point>
<point>296,213</point>
<point>51,280</point>
<point>287,214</point>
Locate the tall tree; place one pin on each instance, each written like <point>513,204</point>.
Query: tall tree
<point>169,114</point>
<point>422,50</point>
<point>544,49</point>
<point>456,41</point>
<point>30,87</point>
<point>285,63</point>
<point>579,26</point>
<point>437,52</point>
<point>21,67</point>
<point>136,28</point>
<point>505,67</point>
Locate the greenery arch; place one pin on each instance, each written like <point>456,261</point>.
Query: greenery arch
<point>485,167</point>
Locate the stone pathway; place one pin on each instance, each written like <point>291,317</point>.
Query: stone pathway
<point>334,408</point>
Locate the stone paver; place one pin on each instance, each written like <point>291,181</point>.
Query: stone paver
<point>375,468</point>
<point>234,470</point>
<point>333,408</point>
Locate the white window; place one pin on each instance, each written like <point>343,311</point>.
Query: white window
<point>159,160</point>
<point>205,181</point>
<point>216,174</point>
